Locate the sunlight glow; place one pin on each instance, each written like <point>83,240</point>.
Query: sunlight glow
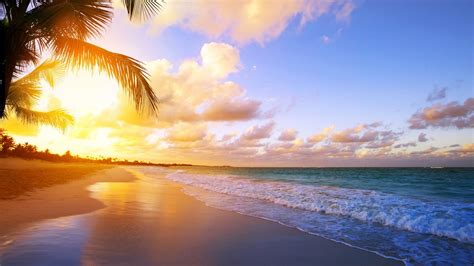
<point>83,93</point>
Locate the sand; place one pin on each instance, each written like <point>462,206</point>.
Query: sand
<point>154,223</point>
<point>69,197</point>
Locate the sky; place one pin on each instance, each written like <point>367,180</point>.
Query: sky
<point>298,83</point>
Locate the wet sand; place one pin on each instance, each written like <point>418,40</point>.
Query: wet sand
<point>150,222</point>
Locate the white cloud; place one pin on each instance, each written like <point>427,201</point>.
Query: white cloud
<point>247,21</point>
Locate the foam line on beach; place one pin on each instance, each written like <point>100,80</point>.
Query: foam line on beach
<point>446,219</point>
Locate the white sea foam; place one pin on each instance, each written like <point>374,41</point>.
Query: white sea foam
<point>445,219</point>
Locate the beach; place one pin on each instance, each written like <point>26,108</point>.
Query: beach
<point>141,132</point>
<point>119,216</point>
<point>57,198</point>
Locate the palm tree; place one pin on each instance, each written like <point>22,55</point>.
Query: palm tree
<point>29,28</point>
<point>25,91</point>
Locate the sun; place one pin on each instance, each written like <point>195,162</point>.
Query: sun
<point>81,93</point>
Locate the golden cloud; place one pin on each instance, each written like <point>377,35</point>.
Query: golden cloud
<point>196,92</point>
<point>186,132</point>
<point>247,20</point>
<point>320,136</point>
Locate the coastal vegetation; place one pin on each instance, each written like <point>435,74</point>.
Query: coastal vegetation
<point>10,148</point>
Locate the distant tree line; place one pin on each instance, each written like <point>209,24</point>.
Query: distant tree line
<point>9,148</point>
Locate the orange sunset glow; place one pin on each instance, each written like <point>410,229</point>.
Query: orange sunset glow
<point>236,132</point>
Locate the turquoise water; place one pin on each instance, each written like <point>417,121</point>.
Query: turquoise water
<point>428,183</point>
<point>418,215</point>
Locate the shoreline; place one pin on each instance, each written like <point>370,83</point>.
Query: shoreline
<point>312,239</point>
<point>219,236</point>
<point>310,233</point>
<point>292,227</point>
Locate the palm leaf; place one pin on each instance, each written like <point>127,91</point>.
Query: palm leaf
<point>49,70</point>
<point>36,29</point>
<point>25,91</point>
<point>139,10</point>
<point>129,72</point>
<point>57,118</point>
<point>22,52</point>
<point>79,19</point>
<point>24,95</point>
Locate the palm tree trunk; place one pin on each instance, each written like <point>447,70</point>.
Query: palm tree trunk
<point>3,77</point>
<point>3,97</point>
<point>4,81</point>
<point>6,72</point>
<point>6,75</point>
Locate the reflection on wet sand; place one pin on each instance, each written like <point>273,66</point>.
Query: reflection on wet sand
<point>140,224</point>
<point>51,242</point>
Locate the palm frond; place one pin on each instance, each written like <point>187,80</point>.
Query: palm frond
<point>24,95</point>
<point>34,31</point>
<point>25,91</point>
<point>129,72</point>
<point>56,118</point>
<point>22,52</point>
<point>50,70</point>
<point>78,19</point>
<point>139,10</point>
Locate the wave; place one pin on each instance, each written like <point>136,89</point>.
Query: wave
<point>453,220</point>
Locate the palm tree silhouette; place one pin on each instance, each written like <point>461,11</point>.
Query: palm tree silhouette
<point>28,28</point>
<point>25,91</point>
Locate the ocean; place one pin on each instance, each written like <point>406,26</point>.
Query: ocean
<point>417,215</point>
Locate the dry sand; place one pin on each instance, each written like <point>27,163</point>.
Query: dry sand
<point>69,197</point>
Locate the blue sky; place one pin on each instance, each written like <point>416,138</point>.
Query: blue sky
<point>350,63</point>
<point>380,67</point>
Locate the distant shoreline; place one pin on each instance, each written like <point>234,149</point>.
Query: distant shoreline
<point>139,163</point>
